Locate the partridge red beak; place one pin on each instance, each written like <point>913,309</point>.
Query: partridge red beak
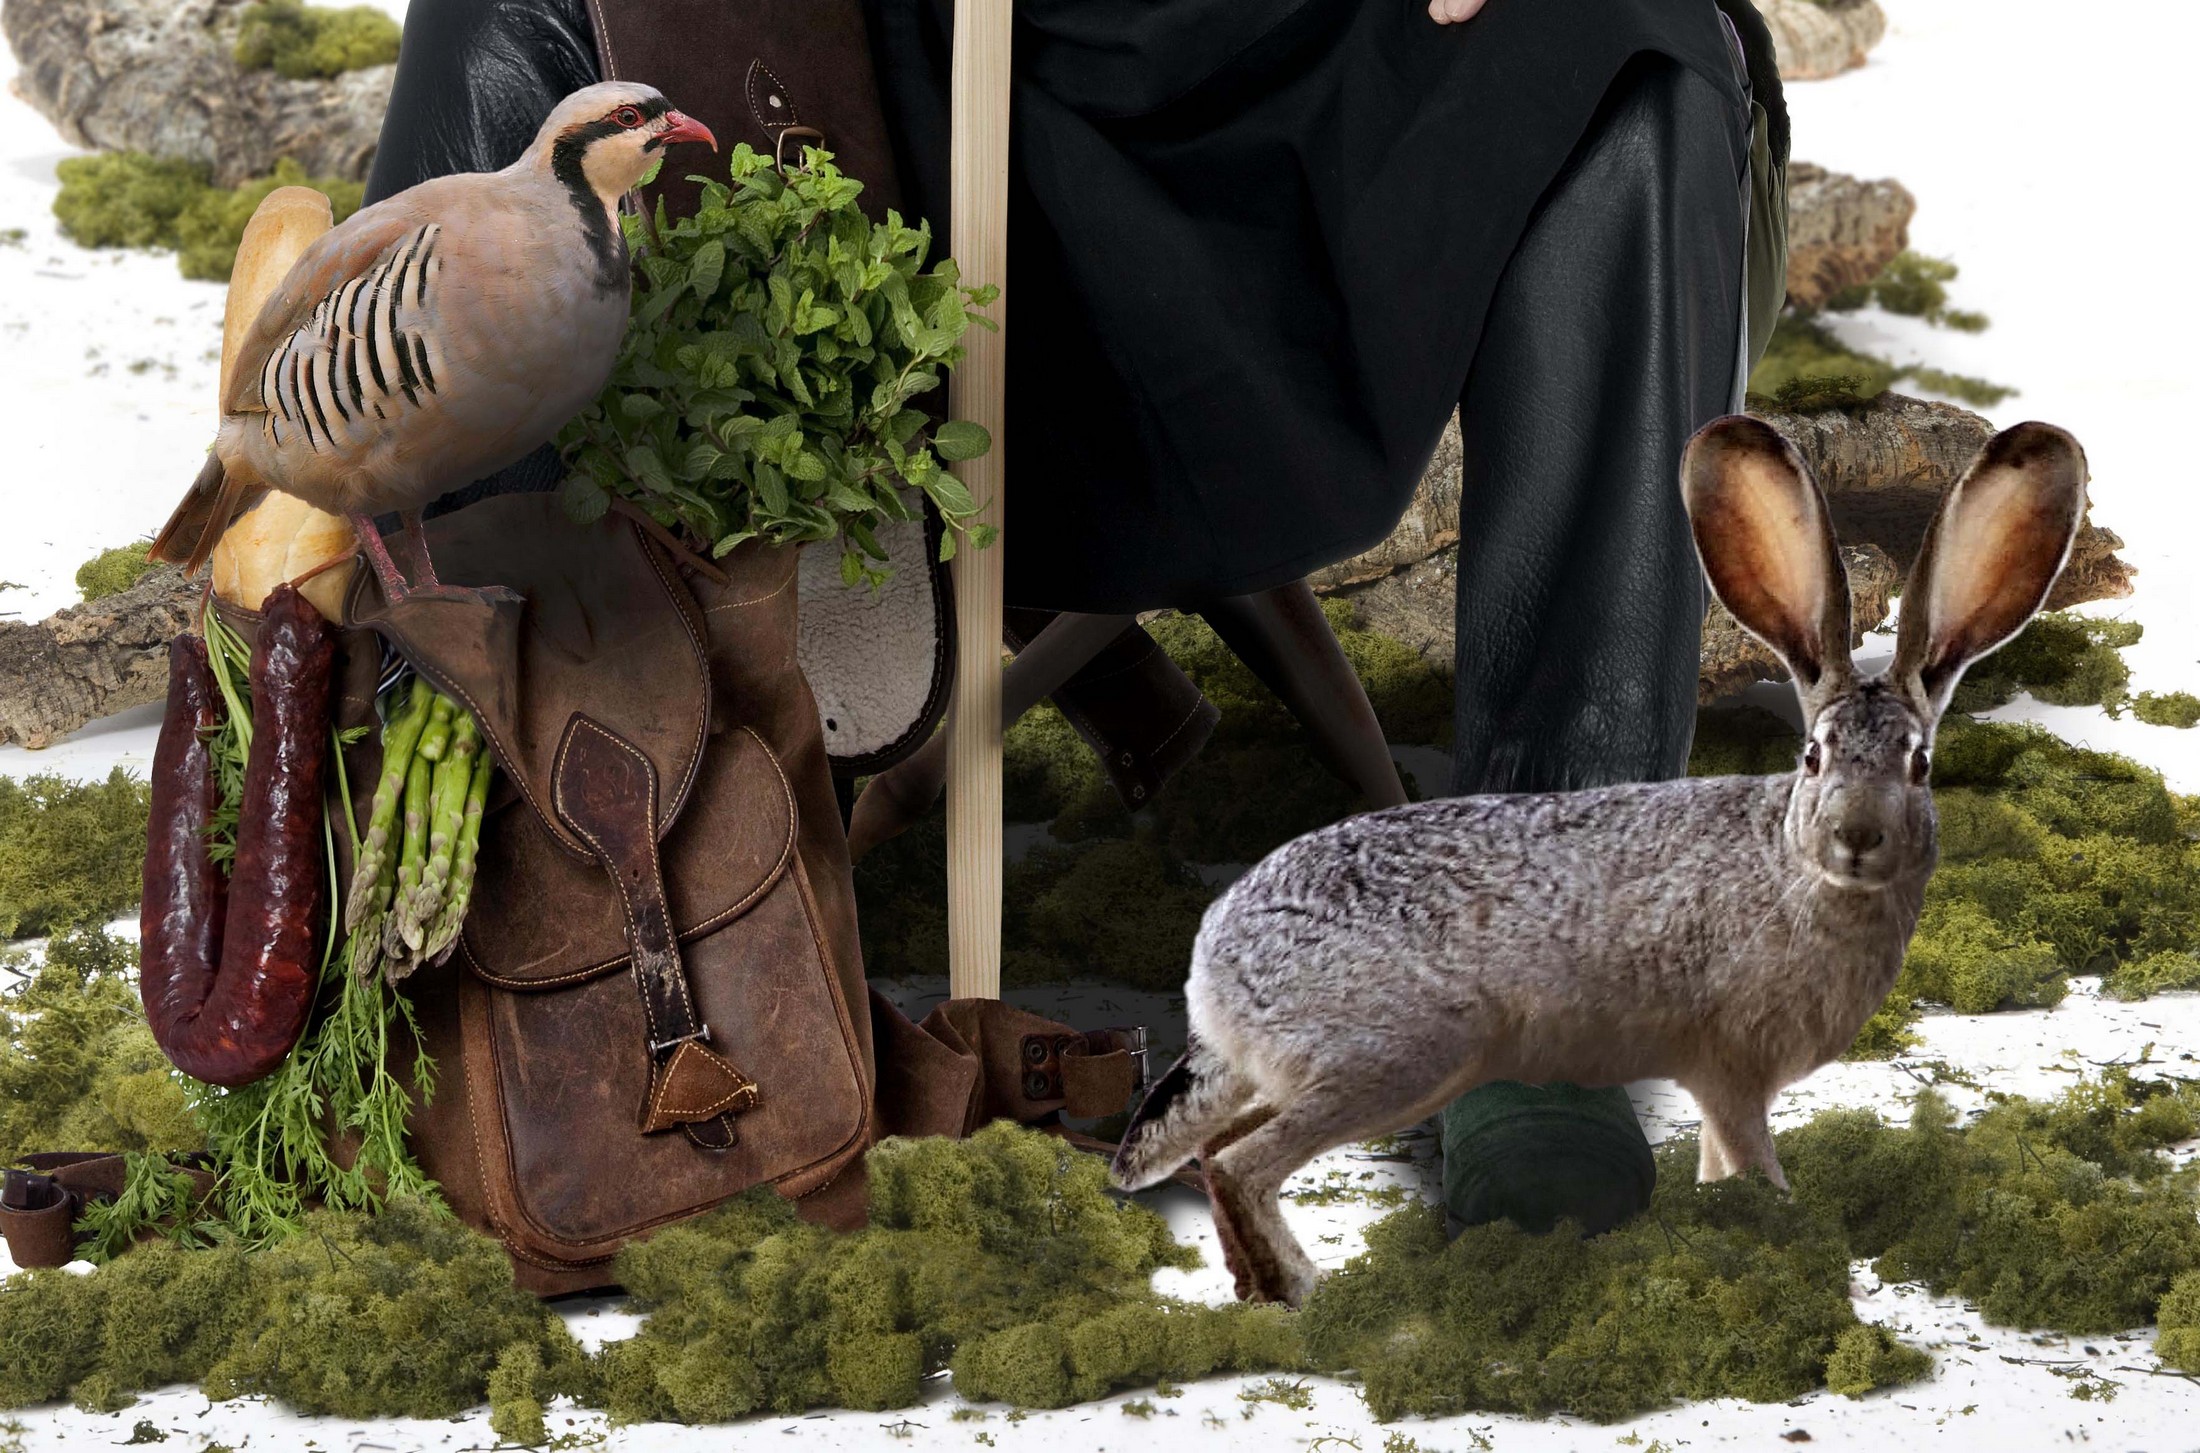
<point>684,127</point>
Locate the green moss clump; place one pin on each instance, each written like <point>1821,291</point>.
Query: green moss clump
<point>2180,709</point>
<point>1119,909</point>
<point>1979,393</point>
<point>1963,958</point>
<point>113,571</point>
<point>2064,1215</point>
<point>1047,771</point>
<point>2154,974</point>
<point>2178,1318</point>
<point>2060,1214</point>
<point>404,1314</point>
<point>516,1413</point>
<point>2055,860</point>
<point>78,1067</point>
<point>208,231</point>
<point>1913,285</point>
<point>1805,360</point>
<point>300,41</point>
<point>128,199</point>
<point>70,852</point>
<point>1808,369</point>
<point>1002,1257</point>
<point>124,198</point>
<point>1720,1291</point>
<point>1868,1357</point>
<point>1743,741</point>
<point>1411,697</point>
<point>2060,658</point>
<point>1887,1034</point>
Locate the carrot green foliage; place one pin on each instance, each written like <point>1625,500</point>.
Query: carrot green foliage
<point>353,1074</point>
<point>770,380</point>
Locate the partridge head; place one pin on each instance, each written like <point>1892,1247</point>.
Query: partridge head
<point>436,336</point>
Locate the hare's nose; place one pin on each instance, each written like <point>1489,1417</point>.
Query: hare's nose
<point>1859,837</point>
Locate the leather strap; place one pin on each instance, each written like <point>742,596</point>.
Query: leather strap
<point>42,1196</point>
<point>1135,708</point>
<point>606,791</point>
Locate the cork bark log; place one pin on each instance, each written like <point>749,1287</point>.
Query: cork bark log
<point>1884,466</point>
<point>158,76</point>
<point>91,660</point>
<point>1820,38</point>
<point>1841,231</point>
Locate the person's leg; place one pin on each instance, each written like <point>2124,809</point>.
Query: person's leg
<point>1285,639</point>
<point>1614,334</point>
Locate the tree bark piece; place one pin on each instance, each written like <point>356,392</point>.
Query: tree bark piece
<point>91,660</point>
<point>159,76</point>
<point>1884,467</point>
<point>1841,231</point>
<point>1820,38</point>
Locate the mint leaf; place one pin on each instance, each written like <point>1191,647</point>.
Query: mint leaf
<point>959,439</point>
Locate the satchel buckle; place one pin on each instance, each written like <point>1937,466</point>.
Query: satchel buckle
<point>813,136</point>
<point>659,1046</point>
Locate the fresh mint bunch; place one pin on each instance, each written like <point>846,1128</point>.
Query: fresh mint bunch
<point>770,383</point>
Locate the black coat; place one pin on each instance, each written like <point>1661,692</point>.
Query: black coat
<point>1252,244</point>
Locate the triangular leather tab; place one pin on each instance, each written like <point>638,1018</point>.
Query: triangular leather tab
<point>692,1086</point>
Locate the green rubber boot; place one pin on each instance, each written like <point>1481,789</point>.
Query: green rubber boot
<point>1540,1154</point>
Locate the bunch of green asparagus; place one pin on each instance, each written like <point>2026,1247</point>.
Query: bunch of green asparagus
<point>415,872</point>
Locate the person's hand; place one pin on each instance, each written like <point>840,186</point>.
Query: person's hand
<point>1451,12</point>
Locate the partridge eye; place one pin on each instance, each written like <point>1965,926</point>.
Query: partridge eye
<point>627,116</point>
<point>1813,759</point>
<point>1921,765</point>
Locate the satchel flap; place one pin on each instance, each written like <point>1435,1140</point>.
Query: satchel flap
<point>602,626</point>
<point>542,920</point>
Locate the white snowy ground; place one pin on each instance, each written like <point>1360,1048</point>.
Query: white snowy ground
<point>2038,138</point>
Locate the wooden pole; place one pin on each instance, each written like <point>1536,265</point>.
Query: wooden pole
<point>978,220</point>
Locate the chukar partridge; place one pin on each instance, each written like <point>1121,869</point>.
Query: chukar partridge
<point>436,336</point>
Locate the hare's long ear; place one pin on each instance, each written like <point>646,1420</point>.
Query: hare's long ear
<point>1991,555</point>
<point>1767,544</point>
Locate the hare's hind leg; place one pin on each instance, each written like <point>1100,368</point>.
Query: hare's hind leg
<point>1245,1181</point>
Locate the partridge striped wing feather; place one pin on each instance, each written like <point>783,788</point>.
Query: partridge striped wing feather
<point>365,356</point>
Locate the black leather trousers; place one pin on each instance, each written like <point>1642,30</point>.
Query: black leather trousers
<point>1614,335</point>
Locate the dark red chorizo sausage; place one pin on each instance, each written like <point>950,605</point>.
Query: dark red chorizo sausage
<point>257,1003</point>
<point>180,918</point>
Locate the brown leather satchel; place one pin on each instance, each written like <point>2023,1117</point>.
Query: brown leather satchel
<point>658,1001</point>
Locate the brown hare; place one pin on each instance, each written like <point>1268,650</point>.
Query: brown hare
<point>1729,933</point>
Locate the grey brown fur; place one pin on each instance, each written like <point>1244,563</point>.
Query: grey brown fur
<point>1729,933</point>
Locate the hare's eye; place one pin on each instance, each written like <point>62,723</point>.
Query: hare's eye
<point>1921,765</point>
<point>1813,759</point>
<point>627,116</point>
